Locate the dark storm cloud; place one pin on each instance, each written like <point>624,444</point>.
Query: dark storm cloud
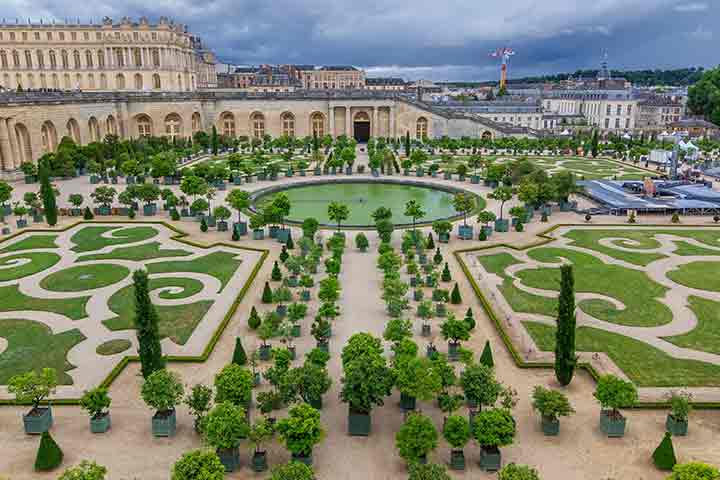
<point>447,39</point>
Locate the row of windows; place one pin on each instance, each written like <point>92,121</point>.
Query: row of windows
<point>73,36</point>
<point>84,83</point>
<point>136,57</point>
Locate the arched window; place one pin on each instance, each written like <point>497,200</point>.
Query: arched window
<point>119,57</point>
<point>120,81</point>
<point>91,81</point>
<point>55,81</point>
<point>23,140</point>
<point>156,81</point>
<point>137,56</point>
<point>66,81</point>
<point>156,57</point>
<point>487,135</point>
<point>111,126</point>
<point>144,126</point>
<point>43,81</point>
<point>257,124</point>
<point>48,136</point>
<point>318,124</point>
<point>421,128</point>
<point>179,82</point>
<point>173,126</point>
<point>6,80</point>
<point>196,122</point>
<point>16,59</point>
<point>28,59</point>
<point>88,59</point>
<point>78,81</point>
<point>288,124</point>
<point>101,59</point>
<point>138,82</point>
<point>228,124</point>
<point>53,59</point>
<point>40,59</point>
<point>3,59</point>
<point>18,79</point>
<point>103,82</point>
<point>94,128</point>
<point>73,130</point>
<point>31,80</point>
<point>64,59</point>
<point>76,59</point>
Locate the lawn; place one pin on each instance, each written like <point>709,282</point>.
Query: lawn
<point>700,275</point>
<point>706,335</point>
<point>146,251</point>
<point>176,322</point>
<point>39,261</point>
<point>32,242</point>
<point>646,366</point>
<point>221,265</point>
<point>12,300</point>
<point>84,277</point>
<point>633,288</point>
<point>91,238</point>
<point>32,346</point>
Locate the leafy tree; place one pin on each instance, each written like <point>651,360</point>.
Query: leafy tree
<point>416,377</point>
<point>146,323</point>
<point>703,96</point>
<point>233,384</point>
<point>513,471</point>
<point>456,431</point>
<point>301,429</point>
<point>361,241</point>
<point>381,213</point>
<point>565,357</point>
<point>614,393</point>
<point>502,195</point>
<point>464,203</point>
<point>162,390</point>
<point>479,384</point>
<point>308,382</point>
<point>551,404</point>
<point>292,471</point>
<point>441,227</point>
<point>104,195</point>
<point>494,427</point>
<point>225,425</point>
<point>454,330</point>
<point>198,465</point>
<point>338,212</point>
<point>384,229</point>
<point>239,355</point>
<point>416,438</point>
<point>366,380</point>
<point>47,192</point>
<point>49,456</point>
<point>95,401</point>
<point>427,471</point>
<point>486,358</point>
<point>414,210</point>
<point>198,402</point>
<point>694,471</point>
<point>33,387</point>
<point>397,329</point>
<point>664,455</point>
<point>310,227</point>
<point>86,470</point>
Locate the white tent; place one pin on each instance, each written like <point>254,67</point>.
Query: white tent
<point>565,132</point>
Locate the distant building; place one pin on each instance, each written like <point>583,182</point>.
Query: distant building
<point>658,112</point>
<point>610,110</point>
<point>696,127</point>
<point>329,77</point>
<point>387,83</point>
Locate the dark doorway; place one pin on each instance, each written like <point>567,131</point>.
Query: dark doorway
<point>362,131</point>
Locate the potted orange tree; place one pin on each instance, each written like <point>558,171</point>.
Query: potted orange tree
<point>33,387</point>
<point>614,393</point>
<point>96,403</point>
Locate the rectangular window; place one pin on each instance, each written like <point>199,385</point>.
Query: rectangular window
<point>86,36</point>
<point>49,35</point>
<point>98,36</point>
<point>62,35</point>
<point>37,35</point>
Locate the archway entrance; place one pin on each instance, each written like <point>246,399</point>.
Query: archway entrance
<point>361,127</point>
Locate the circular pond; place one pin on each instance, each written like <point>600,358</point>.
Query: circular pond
<point>363,197</point>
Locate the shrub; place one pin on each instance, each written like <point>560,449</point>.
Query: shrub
<point>486,358</point>
<point>427,471</point>
<point>457,431</point>
<point>416,438</point>
<point>162,390</point>
<point>225,425</point>
<point>239,355</point>
<point>675,218</point>
<point>482,236</point>
<point>519,227</point>
<point>175,217</point>
<point>437,258</point>
<point>198,401</point>
<point>694,471</point>
<point>512,471</point>
<point>446,277</point>
<point>615,393</point>
<point>680,406</point>
<point>292,471</point>
<point>664,455</point>
<point>588,217</point>
<point>254,319</point>
<point>301,429</point>
<point>131,216</point>
<point>455,297</point>
<point>284,255</point>
<point>203,223</point>
<point>276,274</point>
<point>470,319</point>
<point>551,403</point>
<point>267,295</point>
<point>479,384</point>
<point>33,387</point>
<point>397,329</point>
<point>88,214</point>
<point>454,330</point>
<point>84,471</point>
<point>233,384</point>
<point>49,456</point>
<point>494,427</point>
<point>95,401</point>
<point>361,241</point>
<point>198,464</point>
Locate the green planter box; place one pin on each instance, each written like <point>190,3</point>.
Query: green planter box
<point>281,310</point>
<point>426,330</point>
<point>265,352</point>
<point>422,259</point>
<point>453,351</point>
<point>164,423</point>
<point>283,234</point>
<point>359,424</point>
<point>305,295</point>
<point>274,229</point>
<point>38,420</point>
<point>612,427</point>
<point>430,351</point>
<point>296,331</point>
<point>457,460</point>
<point>258,234</point>
<point>444,238</point>
<point>316,403</point>
<point>229,457</point>
<point>407,402</point>
<point>21,223</point>
<point>417,295</point>
<point>101,423</point>
<point>104,211</point>
<point>222,226</point>
<point>490,459</point>
<point>259,462</point>
<point>241,228</point>
<point>420,172</point>
<point>502,225</point>
<point>475,179</point>
<point>440,310</point>
<point>677,428</point>
<point>465,232</point>
<point>550,426</point>
<point>324,346</point>
<point>488,230</point>
<point>149,210</point>
<point>211,221</point>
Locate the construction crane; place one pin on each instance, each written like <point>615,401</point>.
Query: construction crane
<point>504,54</point>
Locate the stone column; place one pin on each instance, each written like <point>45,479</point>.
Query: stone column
<point>15,147</point>
<point>5,150</point>
<point>331,127</point>
<point>348,122</point>
<point>375,131</point>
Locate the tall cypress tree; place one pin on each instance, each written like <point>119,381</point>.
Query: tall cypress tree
<point>48,194</point>
<point>595,143</point>
<point>407,144</point>
<point>565,358</point>
<point>214,141</point>
<point>146,323</point>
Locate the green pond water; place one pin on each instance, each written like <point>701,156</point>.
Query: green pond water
<point>362,199</point>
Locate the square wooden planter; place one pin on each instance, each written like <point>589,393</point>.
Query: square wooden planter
<point>677,428</point>
<point>101,423</point>
<point>38,420</point>
<point>612,427</point>
<point>359,424</point>
<point>164,423</point>
<point>550,426</point>
<point>490,459</point>
<point>230,458</point>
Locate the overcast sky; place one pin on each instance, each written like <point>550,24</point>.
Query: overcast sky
<point>432,39</point>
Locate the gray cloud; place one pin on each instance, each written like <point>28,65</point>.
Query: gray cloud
<point>426,38</point>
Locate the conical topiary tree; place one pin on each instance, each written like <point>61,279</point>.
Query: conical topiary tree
<point>565,358</point>
<point>455,297</point>
<point>49,456</point>
<point>267,296</point>
<point>430,243</point>
<point>290,244</point>
<point>664,454</point>
<point>203,225</point>
<point>254,320</point>
<point>276,274</point>
<point>487,358</point>
<point>437,258</point>
<point>146,324</point>
<point>239,355</point>
<point>470,319</point>
<point>48,194</point>
<point>446,277</point>
<point>284,255</point>
<point>88,214</point>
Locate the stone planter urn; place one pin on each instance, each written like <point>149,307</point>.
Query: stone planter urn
<point>100,423</point>
<point>164,423</point>
<point>38,420</point>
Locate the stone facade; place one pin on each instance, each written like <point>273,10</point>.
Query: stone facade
<point>123,56</point>
<point>609,110</point>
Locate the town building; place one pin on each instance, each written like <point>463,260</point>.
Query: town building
<point>124,56</point>
<point>329,77</point>
<point>385,83</point>
<point>658,112</point>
